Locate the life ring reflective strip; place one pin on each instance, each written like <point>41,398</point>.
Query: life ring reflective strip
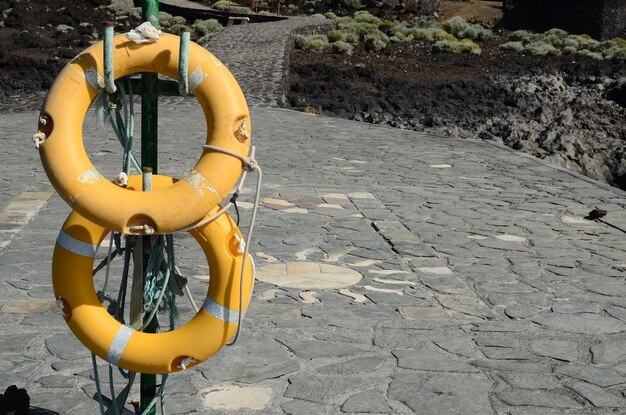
<point>77,181</point>
<point>197,340</point>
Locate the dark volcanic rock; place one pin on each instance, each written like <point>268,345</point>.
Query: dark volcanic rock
<point>568,112</point>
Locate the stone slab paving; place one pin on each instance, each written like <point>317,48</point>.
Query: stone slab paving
<point>467,280</point>
<point>258,55</point>
<point>482,291</point>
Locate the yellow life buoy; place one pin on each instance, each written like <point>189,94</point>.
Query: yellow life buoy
<point>195,341</point>
<point>77,181</point>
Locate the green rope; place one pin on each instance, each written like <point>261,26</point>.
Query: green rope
<point>121,126</point>
<point>155,290</point>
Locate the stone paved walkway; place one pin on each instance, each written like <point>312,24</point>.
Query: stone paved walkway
<point>482,289</point>
<point>258,56</point>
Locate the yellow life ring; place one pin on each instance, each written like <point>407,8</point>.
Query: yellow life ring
<point>77,181</point>
<point>186,346</point>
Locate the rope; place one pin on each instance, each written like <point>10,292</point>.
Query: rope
<point>123,128</point>
<point>250,164</point>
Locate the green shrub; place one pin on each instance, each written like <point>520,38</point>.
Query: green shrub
<point>569,50</point>
<point>352,4</point>
<point>570,43</point>
<point>330,15</point>
<point>620,42</point>
<point>518,35</point>
<point>360,28</point>
<point>541,49</point>
<point>586,42</point>
<point>459,28</point>
<point>341,47</point>
<point>343,20</point>
<point>314,43</point>
<point>178,29</point>
<point>165,19</point>
<point>513,46</point>
<point>336,35</point>
<point>589,54</point>
<point>232,6</point>
<point>456,46</point>
<point>404,38</point>
<point>432,34</point>
<point>178,20</point>
<point>425,22</point>
<point>399,28</point>
<point>375,41</point>
<point>203,28</point>
<point>352,38</point>
<point>419,33</point>
<point>364,16</point>
<point>440,34</point>
<point>557,33</point>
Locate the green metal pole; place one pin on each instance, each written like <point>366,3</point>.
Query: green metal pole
<point>149,159</point>
<point>149,98</point>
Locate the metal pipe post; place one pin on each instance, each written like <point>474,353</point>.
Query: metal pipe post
<point>149,159</point>
<point>109,75</point>
<point>183,64</point>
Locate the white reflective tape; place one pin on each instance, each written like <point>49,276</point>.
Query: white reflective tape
<point>75,246</point>
<point>221,312</point>
<point>114,355</point>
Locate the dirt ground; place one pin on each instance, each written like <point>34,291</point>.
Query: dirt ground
<point>486,12</point>
<point>561,109</point>
<point>38,38</point>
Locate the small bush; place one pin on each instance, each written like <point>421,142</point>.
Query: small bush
<point>425,22</point>
<point>352,38</point>
<point>513,46</point>
<point>375,41</point>
<point>518,35</point>
<point>440,34</point>
<point>404,38</point>
<point>364,16</point>
<point>423,34</point>
<point>203,28</point>
<point>569,50</point>
<point>341,47</point>
<point>459,28</point>
<point>620,42</point>
<point>178,29</point>
<point>586,42</point>
<point>360,28</point>
<point>432,34</point>
<point>589,54</point>
<point>233,7</point>
<point>556,33</point>
<point>541,49</point>
<point>336,36</point>
<point>462,46</point>
<point>352,4</point>
<point>178,20</point>
<point>570,43</point>
<point>165,20</point>
<point>330,15</point>
<point>314,43</point>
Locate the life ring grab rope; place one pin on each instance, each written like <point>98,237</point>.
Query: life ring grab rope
<point>81,248</point>
<point>64,158</point>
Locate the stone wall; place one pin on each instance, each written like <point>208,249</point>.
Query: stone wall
<point>601,19</point>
